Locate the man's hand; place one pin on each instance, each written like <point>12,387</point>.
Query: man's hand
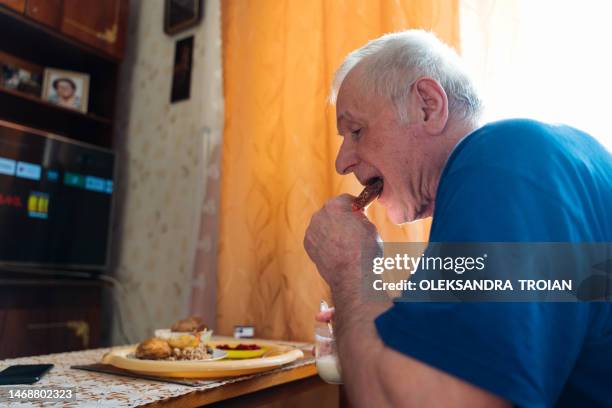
<point>336,238</point>
<point>325,316</point>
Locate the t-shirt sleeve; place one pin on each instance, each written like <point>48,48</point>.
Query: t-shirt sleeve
<point>523,352</point>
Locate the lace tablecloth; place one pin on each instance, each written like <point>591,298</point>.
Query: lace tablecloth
<point>106,390</point>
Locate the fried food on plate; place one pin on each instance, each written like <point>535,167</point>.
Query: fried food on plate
<point>153,349</point>
<point>186,340</point>
<point>183,341</point>
<point>190,324</point>
<point>185,333</point>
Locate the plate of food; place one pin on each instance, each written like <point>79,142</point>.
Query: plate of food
<point>185,352</point>
<point>184,341</point>
<point>162,350</point>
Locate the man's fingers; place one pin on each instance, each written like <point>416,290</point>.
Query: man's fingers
<point>325,316</point>
<point>343,202</point>
<point>346,198</point>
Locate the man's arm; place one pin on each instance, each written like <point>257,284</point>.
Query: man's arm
<point>377,376</point>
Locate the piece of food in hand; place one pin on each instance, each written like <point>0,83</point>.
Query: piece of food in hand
<point>369,194</point>
<point>153,349</point>
<point>190,324</point>
<point>184,341</point>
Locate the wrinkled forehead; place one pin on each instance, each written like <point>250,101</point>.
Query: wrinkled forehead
<point>354,83</point>
<point>357,102</point>
<point>353,95</point>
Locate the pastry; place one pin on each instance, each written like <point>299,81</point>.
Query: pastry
<point>153,349</point>
<point>369,194</point>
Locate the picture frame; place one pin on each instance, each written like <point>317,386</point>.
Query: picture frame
<point>181,76</point>
<point>20,75</point>
<point>180,15</point>
<point>69,89</point>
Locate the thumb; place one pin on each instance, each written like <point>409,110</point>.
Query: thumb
<point>325,316</point>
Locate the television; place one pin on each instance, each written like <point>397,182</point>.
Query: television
<point>56,200</point>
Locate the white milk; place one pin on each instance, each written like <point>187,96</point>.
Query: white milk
<point>329,369</point>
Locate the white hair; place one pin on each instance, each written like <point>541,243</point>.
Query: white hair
<point>392,63</point>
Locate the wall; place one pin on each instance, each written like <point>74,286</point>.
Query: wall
<point>168,161</point>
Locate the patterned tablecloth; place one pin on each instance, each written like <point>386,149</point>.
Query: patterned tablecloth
<point>106,390</point>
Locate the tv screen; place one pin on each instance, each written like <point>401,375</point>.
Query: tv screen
<point>55,200</point>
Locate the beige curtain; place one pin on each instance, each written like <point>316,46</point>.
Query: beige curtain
<point>279,146</point>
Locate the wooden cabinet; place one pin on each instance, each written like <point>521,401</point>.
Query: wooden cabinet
<point>17,5</point>
<point>49,316</point>
<point>34,38</point>
<point>41,316</point>
<point>48,12</point>
<point>99,23</point>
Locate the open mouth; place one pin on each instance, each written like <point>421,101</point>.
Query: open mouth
<point>377,184</point>
<point>374,180</point>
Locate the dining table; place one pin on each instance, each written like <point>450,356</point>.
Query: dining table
<point>77,376</point>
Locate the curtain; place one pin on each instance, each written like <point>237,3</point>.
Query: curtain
<point>204,274</point>
<point>280,143</point>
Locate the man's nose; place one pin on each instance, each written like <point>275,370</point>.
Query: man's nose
<point>347,157</point>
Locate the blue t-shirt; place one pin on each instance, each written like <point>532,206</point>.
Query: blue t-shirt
<point>518,181</point>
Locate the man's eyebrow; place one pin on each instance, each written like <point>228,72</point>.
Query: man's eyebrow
<point>341,119</point>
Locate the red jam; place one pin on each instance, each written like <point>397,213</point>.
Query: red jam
<point>239,347</point>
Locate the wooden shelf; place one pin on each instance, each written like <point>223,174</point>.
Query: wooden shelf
<point>35,33</point>
<point>27,40</point>
<point>28,109</point>
<point>60,109</point>
<point>20,281</point>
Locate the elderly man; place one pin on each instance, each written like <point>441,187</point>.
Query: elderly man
<point>409,115</point>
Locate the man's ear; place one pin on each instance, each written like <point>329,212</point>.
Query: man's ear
<point>430,105</point>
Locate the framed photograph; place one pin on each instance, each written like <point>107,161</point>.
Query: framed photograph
<point>179,15</point>
<point>66,88</point>
<point>181,76</point>
<point>20,75</point>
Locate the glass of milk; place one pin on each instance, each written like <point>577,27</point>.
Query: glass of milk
<point>326,355</point>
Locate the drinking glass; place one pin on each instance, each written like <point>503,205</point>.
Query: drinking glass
<point>326,355</point>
